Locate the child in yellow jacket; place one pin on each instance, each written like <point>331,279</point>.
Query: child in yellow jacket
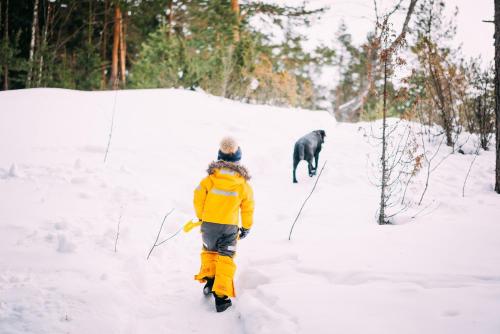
<point>219,200</point>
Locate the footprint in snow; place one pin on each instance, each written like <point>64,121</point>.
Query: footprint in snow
<point>251,279</point>
<point>84,195</point>
<point>451,313</point>
<point>275,260</point>
<point>64,245</point>
<point>78,164</point>
<point>79,180</point>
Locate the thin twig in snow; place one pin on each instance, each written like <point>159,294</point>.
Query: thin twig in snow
<point>423,209</point>
<point>428,161</point>
<point>111,129</point>
<point>303,204</point>
<point>173,235</point>
<point>406,187</point>
<point>468,172</point>
<point>159,232</point>
<point>452,152</point>
<point>118,229</point>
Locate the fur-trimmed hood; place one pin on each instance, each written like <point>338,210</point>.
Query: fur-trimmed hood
<point>240,169</point>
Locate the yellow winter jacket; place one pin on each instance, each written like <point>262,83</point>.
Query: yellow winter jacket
<point>223,194</point>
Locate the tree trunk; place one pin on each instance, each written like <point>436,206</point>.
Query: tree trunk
<point>440,90</point>
<point>6,41</point>
<point>34,26</point>
<point>116,44</point>
<point>235,7</point>
<point>381,217</point>
<point>104,41</point>
<point>338,101</point>
<point>90,24</point>
<point>123,50</point>
<point>170,17</point>
<point>497,93</point>
<point>43,44</point>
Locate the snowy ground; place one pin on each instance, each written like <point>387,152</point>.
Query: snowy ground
<point>60,205</point>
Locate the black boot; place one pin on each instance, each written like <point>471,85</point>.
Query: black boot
<point>222,303</point>
<point>207,289</point>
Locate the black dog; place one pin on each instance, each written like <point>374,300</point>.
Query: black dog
<point>307,148</point>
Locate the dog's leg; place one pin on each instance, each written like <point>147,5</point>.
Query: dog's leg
<point>295,163</point>
<point>316,160</point>
<point>311,168</point>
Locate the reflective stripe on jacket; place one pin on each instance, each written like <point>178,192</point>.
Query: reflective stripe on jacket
<point>222,195</point>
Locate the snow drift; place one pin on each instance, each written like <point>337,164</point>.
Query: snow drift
<point>60,206</point>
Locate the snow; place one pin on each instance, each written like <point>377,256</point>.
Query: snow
<point>60,206</point>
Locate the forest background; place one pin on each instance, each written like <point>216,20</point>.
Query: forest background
<point>256,52</point>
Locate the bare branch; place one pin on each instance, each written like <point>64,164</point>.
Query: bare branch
<point>173,235</point>
<point>452,151</point>
<point>403,209</point>
<point>428,167</point>
<point>376,10</point>
<point>406,188</point>
<point>303,204</point>
<point>404,29</point>
<point>118,229</point>
<point>395,9</point>
<point>423,209</point>
<point>111,129</point>
<point>470,168</point>
<point>159,232</point>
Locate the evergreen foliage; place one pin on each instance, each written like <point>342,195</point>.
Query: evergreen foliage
<point>201,44</point>
<point>212,46</point>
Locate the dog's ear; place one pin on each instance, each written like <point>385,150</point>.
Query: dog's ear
<point>321,134</point>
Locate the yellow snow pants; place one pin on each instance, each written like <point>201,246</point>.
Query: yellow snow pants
<point>220,267</point>
<point>219,246</point>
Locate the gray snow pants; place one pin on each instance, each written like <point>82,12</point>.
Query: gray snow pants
<point>220,238</point>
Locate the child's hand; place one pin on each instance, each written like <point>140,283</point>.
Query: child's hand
<point>243,232</point>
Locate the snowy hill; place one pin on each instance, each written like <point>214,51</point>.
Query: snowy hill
<point>60,206</point>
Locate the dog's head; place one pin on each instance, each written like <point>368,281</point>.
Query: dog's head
<point>321,134</point>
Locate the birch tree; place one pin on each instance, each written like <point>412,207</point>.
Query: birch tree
<point>34,30</point>
<point>497,93</point>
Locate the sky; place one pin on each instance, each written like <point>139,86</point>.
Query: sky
<point>475,36</point>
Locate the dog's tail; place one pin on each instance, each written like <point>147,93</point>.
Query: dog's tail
<point>298,152</point>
